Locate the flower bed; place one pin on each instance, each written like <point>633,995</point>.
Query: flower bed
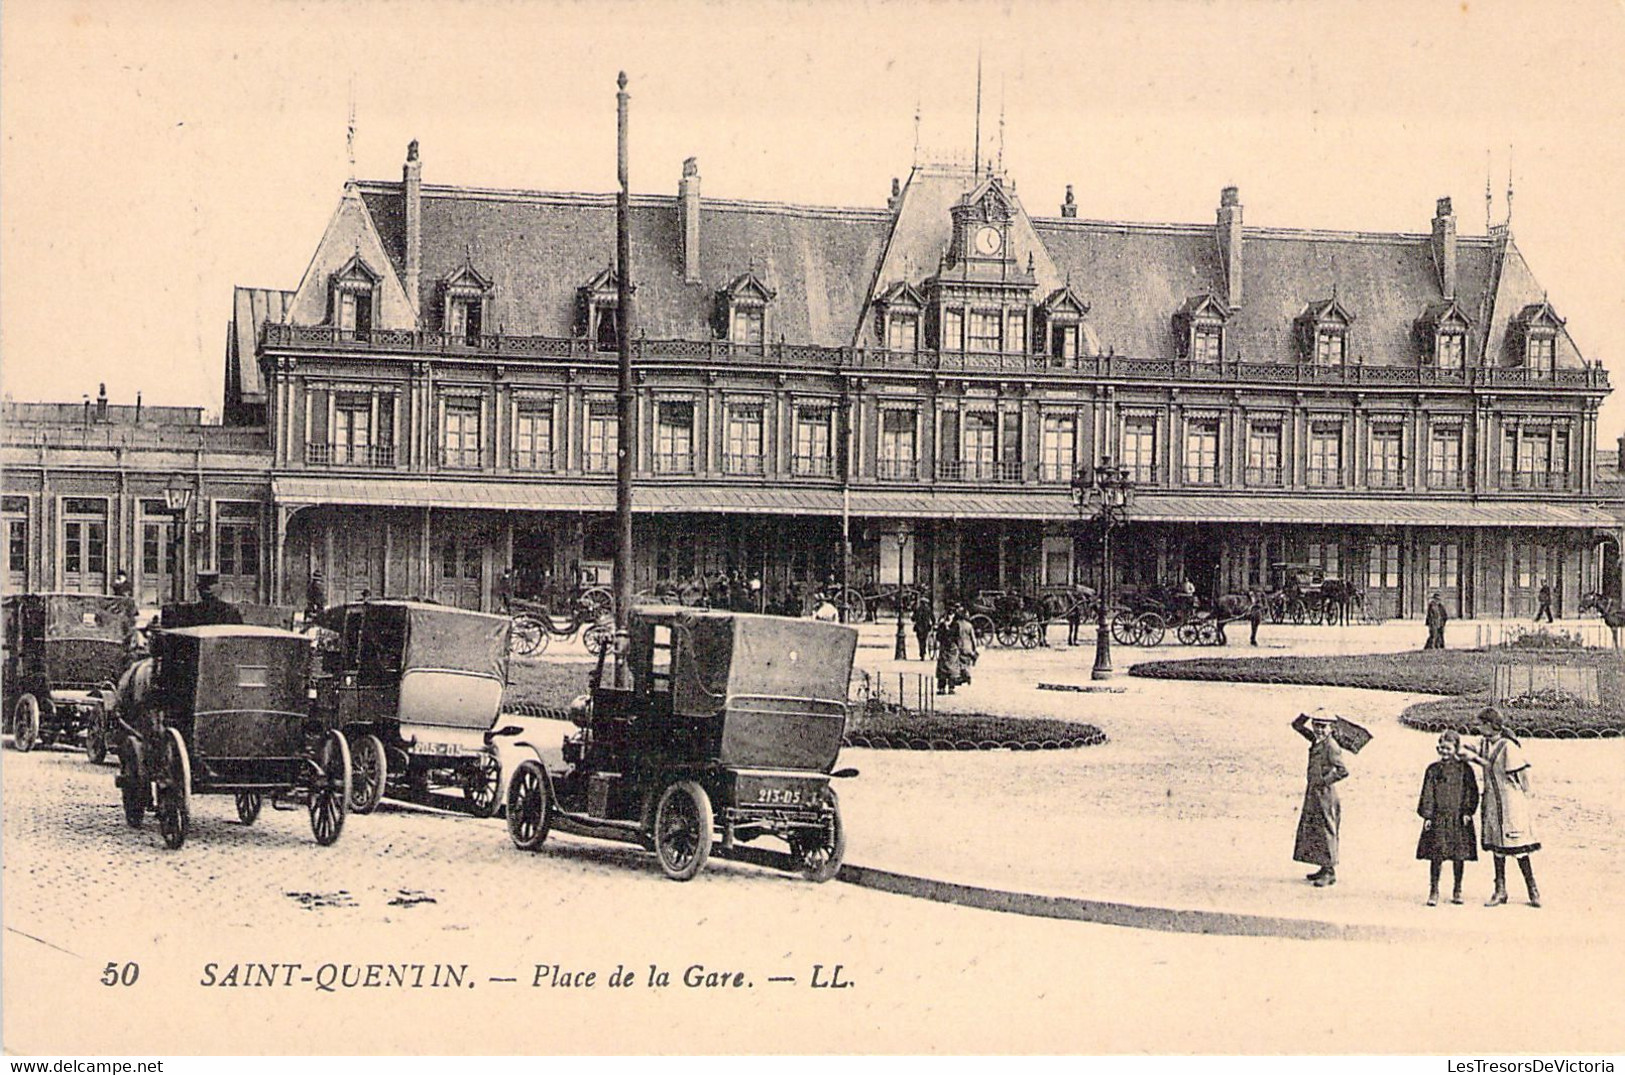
<point>1527,722</point>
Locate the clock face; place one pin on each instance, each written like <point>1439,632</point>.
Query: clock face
<point>988,240</point>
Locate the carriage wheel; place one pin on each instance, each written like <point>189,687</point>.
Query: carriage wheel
<point>174,791</point>
<point>369,773</point>
<point>819,853</point>
<point>1150,628</point>
<point>982,624</point>
<point>683,830</point>
<point>598,638</point>
<point>1188,634</point>
<point>1296,610</point>
<point>330,788</point>
<point>481,783</point>
<point>599,601</point>
<point>530,807</point>
<point>1125,629</point>
<point>1009,636</point>
<point>96,738</point>
<point>1207,633</point>
<point>25,724</point>
<point>1032,635</point>
<point>132,781</point>
<point>525,636</point>
<point>1317,613</point>
<point>248,806</point>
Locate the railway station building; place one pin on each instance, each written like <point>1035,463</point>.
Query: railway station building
<point>910,388</point>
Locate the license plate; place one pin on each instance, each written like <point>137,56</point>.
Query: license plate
<point>441,750</point>
<point>778,791</point>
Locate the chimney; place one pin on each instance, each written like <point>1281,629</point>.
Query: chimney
<point>1444,247</point>
<point>1229,234</point>
<point>896,198</point>
<point>412,185</point>
<point>1069,207</point>
<point>688,197</point>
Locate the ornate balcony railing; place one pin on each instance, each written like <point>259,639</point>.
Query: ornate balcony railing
<point>1554,481</point>
<point>1385,479</point>
<point>1264,477</point>
<point>461,458</point>
<point>897,469</point>
<point>350,455</point>
<point>648,352</point>
<point>744,464</point>
<point>979,470</point>
<point>598,462</point>
<point>812,466</point>
<point>674,462</point>
<point>1056,473</point>
<point>1142,473</point>
<point>1201,474</point>
<point>1324,477</point>
<point>1447,479</point>
<point>540,461</point>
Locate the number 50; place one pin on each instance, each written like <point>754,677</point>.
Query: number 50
<point>113,974</point>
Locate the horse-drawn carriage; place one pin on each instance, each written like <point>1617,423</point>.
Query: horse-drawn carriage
<point>64,653</point>
<point>224,709</point>
<point>1011,619</point>
<point>1304,593</point>
<point>535,625</point>
<point>730,729</point>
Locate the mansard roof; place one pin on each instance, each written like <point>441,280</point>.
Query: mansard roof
<point>828,266</point>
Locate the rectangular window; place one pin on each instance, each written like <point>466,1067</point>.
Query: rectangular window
<point>1444,458</point>
<point>237,551</point>
<point>1015,327</point>
<point>1059,441</point>
<point>607,329</point>
<point>1329,349</point>
<point>1535,452</point>
<point>1264,454</point>
<point>1542,355</point>
<point>460,440</point>
<point>986,332</point>
<point>977,445</point>
<point>1064,341</point>
<point>1324,555</point>
<point>1326,455</point>
<point>748,324</point>
<point>813,440</point>
<point>903,332</point>
<point>953,330</point>
<point>355,312</point>
<point>1382,567</point>
<point>1452,350</point>
<point>674,437</point>
<point>898,458</point>
<point>1444,566</point>
<point>1387,458</point>
<point>465,321</point>
<point>352,429</point>
<point>603,429</point>
<point>1206,343</point>
<point>1202,451</point>
<point>16,516</point>
<point>1140,448</point>
<point>533,437</point>
<point>1560,459</point>
<point>744,439</point>
<point>1057,560</point>
<point>84,544</point>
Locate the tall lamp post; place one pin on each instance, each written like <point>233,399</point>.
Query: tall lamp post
<point>1108,493</point>
<point>900,651</point>
<point>177,499</point>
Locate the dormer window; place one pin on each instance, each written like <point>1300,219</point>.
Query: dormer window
<point>1441,333</point>
<point>897,318</point>
<point>1535,329</point>
<point>466,297</point>
<point>599,304</point>
<point>353,295</point>
<point>1199,329</point>
<point>742,311</point>
<point>1061,329</point>
<point>903,331</point>
<point>1322,332</point>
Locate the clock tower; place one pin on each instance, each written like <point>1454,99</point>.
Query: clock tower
<point>981,297</point>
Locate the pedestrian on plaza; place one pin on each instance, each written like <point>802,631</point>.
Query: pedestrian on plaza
<point>315,595</point>
<point>824,610</point>
<point>1507,822</point>
<point>1545,603</point>
<point>504,593</point>
<point>121,584</point>
<point>1436,618</point>
<point>956,650</point>
<point>1074,616</point>
<point>1322,813</point>
<point>1448,802</point>
<point>1255,617</point>
<point>925,620</point>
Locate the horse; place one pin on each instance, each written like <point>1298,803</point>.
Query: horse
<point>1341,598</point>
<point>1613,614</point>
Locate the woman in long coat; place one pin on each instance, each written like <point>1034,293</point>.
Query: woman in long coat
<point>1507,822</point>
<point>1449,799</point>
<point>956,650</point>
<point>1322,813</point>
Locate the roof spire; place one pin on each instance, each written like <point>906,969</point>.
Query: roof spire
<point>1001,125</point>
<point>1509,187</point>
<point>349,131</point>
<point>1488,197</point>
<point>976,161</point>
<point>916,129</point>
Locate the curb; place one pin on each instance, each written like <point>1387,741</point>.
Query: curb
<point>901,741</point>
<point>1100,912</point>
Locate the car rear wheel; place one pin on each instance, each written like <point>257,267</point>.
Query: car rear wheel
<point>174,791</point>
<point>96,739</point>
<point>25,724</point>
<point>819,853</point>
<point>371,774</point>
<point>682,834</point>
<point>330,788</point>
<point>481,782</point>
<point>132,782</point>
<point>530,807</point>
<point>248,806</point>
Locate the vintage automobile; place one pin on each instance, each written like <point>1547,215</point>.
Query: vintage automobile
<point>731,728</point>
<point>415,687</point>
<point>64,653</point>
<point>224,709</point>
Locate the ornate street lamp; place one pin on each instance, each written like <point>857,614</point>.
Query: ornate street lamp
<point>178,499</point>
<point>1108,493</point>
<point>900,651</point>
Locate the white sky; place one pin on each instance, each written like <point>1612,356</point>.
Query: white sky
<point>154,155</point>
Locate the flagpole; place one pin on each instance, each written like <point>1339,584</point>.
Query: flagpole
<point>626,431</point>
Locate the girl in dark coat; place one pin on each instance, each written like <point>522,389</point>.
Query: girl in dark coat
<point>1449,799</point>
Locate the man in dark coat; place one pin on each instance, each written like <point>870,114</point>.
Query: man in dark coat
<point>1322,813</point>
<point>121,584</point>
<point>1436,618</point>
<point>315,595</point>
<point>1545,603</point>
<point>209,608</point>
<point>924,619</point>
